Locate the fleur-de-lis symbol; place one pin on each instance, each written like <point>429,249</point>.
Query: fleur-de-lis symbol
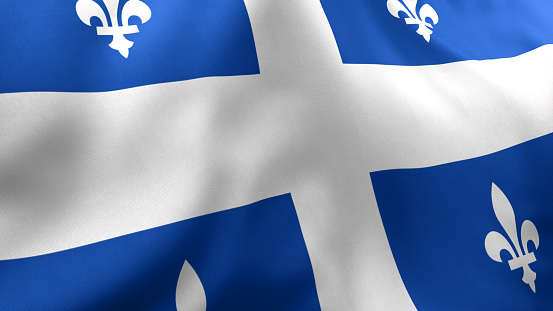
<point>409,7</point>
<point>495,242</point>
<point>190,294</point>
<point>87,9</point>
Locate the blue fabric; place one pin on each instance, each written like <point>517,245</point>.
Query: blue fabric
<point>437,219</point>
<point>46,47</point>
<point>248,258</point>
<point>367,33</point>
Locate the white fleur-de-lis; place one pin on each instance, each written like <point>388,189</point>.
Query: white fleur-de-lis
<point>495,242</point>
<point>87,9</point>
<point>190,294</point>
<point>409,7</point>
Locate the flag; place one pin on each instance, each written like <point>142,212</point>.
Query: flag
<point>275,155</point>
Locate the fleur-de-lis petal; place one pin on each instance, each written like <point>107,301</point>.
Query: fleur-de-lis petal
<point>135,8</point>
<point>112,6</point>
<point>529,232</point>
<point>425,12</point>
<point>505,214</point>
<point>495,242</point>
<point>190,294</point>
<point>394,7</point>
<point>87,9</point>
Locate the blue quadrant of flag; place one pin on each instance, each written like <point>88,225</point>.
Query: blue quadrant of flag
<point>46,47</point>
<point>248,258</point>
<point>437,220</point>
<point>367,33</point>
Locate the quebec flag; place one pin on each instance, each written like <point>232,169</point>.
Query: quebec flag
<point>276,155</point>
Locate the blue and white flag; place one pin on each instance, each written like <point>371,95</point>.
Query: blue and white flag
<point>275,155</point>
